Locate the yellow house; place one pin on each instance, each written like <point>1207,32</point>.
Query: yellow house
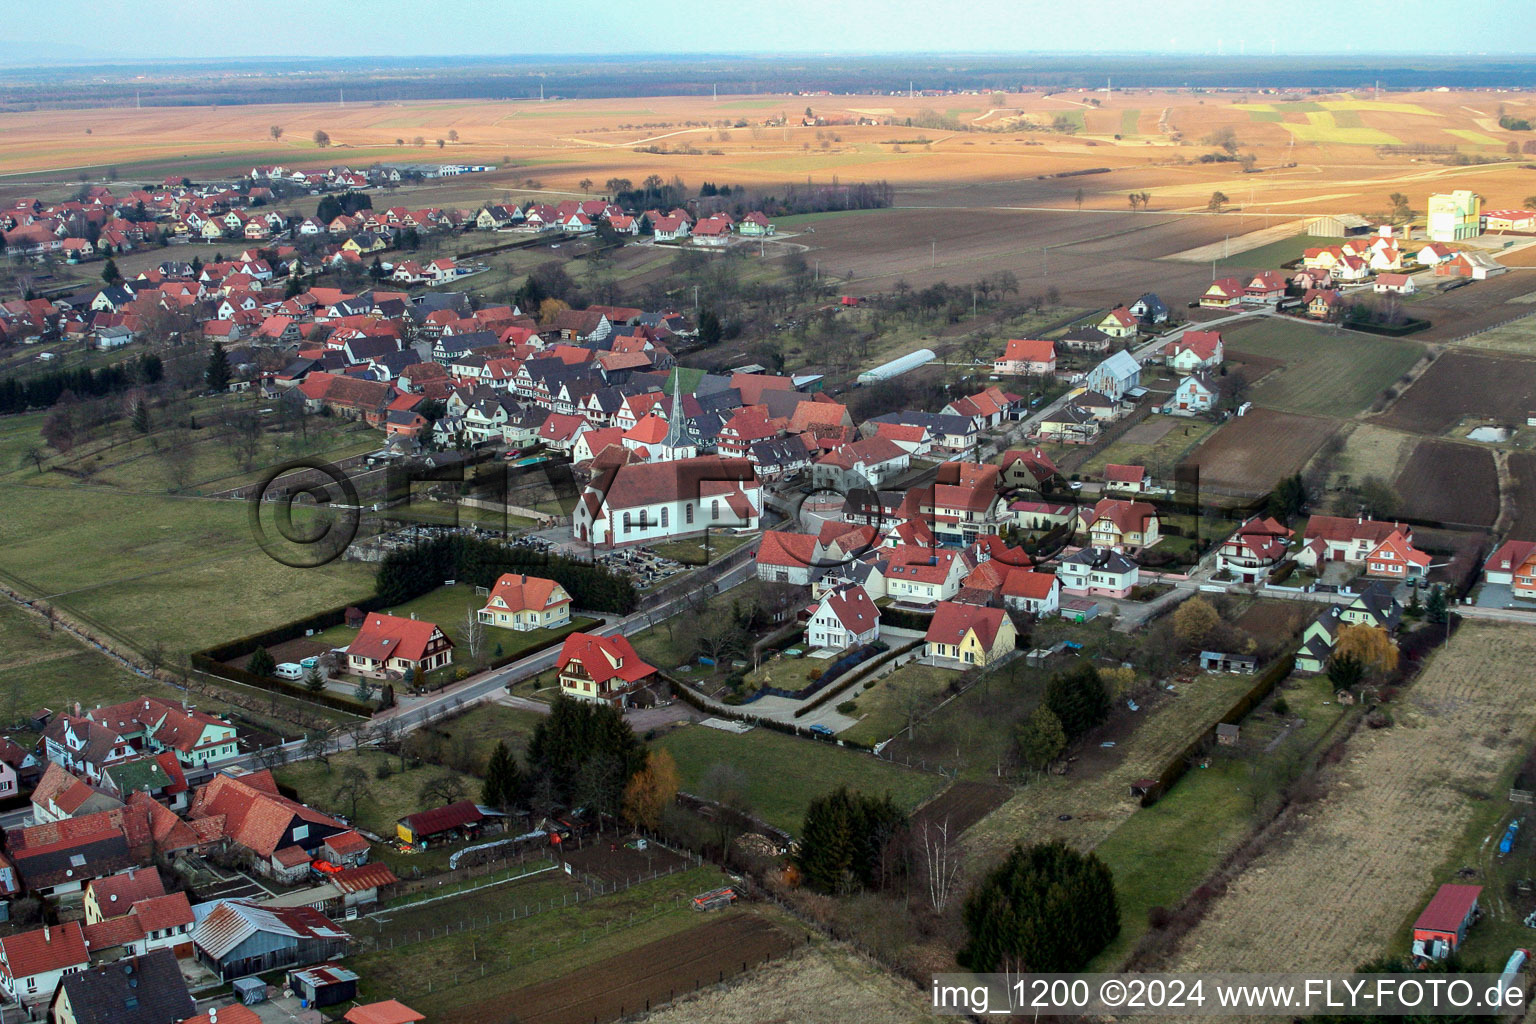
<point>526,602</point>
<point>969,634</point>
<point>1118,323</point>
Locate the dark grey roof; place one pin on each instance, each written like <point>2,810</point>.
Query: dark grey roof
<point>431,302</point>
<point>776,452</point>
<point>455,343</point>
<point>146,989</point>
<point>935,422</point>
<point>1100,558</point>
<point>75,863</point>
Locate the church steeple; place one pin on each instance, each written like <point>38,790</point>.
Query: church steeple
<point>677,424</point>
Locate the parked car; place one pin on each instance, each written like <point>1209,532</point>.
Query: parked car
<point>822,730</point>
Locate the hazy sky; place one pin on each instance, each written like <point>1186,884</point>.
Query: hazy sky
<point>674,28</point>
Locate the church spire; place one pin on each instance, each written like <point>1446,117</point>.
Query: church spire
<point>677,426</point>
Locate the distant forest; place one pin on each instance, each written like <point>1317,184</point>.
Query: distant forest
<point>382,80</point>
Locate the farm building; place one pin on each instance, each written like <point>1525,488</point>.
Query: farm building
<point>1453,216</point>
<point>1227,735</point>
<point>1220,661</point>
<point>1509,220</point>
<point>1338,225</point>
<point>898,366</point>
<point>1443,925</point>
<point>441,824</point>
<point>235,938</point>
<point>323,985</point>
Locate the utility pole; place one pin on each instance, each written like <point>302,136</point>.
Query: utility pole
<point>933,254</point>
<point>341,97</point>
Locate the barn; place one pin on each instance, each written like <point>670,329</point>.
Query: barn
<point>1338,225</point>
<point>1443,925</point>
<point>323,985</point>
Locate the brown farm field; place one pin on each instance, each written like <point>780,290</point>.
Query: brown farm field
<point>1249,454</point>
<point>1451,483</point>
<point>1462,383</point>
<point>1522,468</point>
<point>1338,887</point>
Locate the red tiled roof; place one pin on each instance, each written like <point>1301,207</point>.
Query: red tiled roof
<point>519,593</point>
<point>46,949</point>
<point>1026,584</point>
<point>347,842</point>
<point>364,876</point>
<point>442,819</point>
<point>1029,350</point>
<point>604,657</point>
<point>234,1013</point>
<point>161,912</point>
<point>252,817</point>
<point>794,550</point>
<point>952,621</point>
<point>1449,908</point>
<point>115,894</point>
<point>390,636</point>
<point>1124,474</point>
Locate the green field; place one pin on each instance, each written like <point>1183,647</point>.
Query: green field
<point>785,773</point>
<point>1327,373</point>
<point>1129,121</point>
<point>1159,456</point>
<point>1321,133</point>
<point>883,708</point>
<point>152,569</point>
<point>1276,254</point>
<point>1477,138</point>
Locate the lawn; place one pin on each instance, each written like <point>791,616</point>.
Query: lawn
<point>1327,372</point>
<point>389,799</point>
<point>1276,254</point>
<point>478,730</point>
<point>152,569</point>
<point>883,707</point>
<point>785,773</point>
<point>693,551</point>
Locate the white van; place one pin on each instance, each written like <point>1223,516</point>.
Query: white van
<point>289,670</point>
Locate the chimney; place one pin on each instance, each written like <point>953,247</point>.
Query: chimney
<point>46,934</point>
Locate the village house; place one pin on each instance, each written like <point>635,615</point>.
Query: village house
<point>1195,394</point>
<point>1472,263</point>
<point>1068,425</point>
<point>526,602</point>
<point>1150,310</point>
<point>1038,593</point>
<point>867,463</point>
<point>142,988</point>
<point>1041,515</point>
<point>1095,571</point>
<point>1513,564</point>
<point>845,617</point>
<point>1224,293</point>
<point>1266,286</point>
<point>1116,524</point>
<point>968,634</point>
<point>923,574</point>
<point>388,645</point>
<point>1194,350</point>
<point>785,557</point>
<point>602,669</point>
<point>1133,479</point>
<point>32,963</point>
<point>1115,376</point>
<point>1394,284</point>
<point>1030,468</point>
<point>1254,550</point>
<point>1026,357</point>
<point>647,502</point>
<point>1323,303</point>
<point>1119,323</point>
<point>281,836</point>
<point>1356,541</point>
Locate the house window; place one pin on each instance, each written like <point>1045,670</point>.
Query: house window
<point>663,518</point>
<point>626,522</point>
<point>714,509</point>
<point>688,512</point>
<point>643,514</point>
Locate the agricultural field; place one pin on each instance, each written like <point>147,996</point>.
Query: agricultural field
<point>1370,451</point>
<point>1249,454</point>
<point>1274,255</point>
<point>1327,372</point>
<point>825,983</point>
<point>1461,384</point>
<point>1455,484</point>
<point>787,772</point>
<point>1395,811</point>
<point>1515,339</point>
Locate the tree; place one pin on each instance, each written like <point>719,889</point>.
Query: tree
<point>453,135</point>
<point>363,691</point>
<point>585,184</point>
<point>1045,909</point>
<point>441,790</point>
<point>314,682</point>
<point>843,841</point>
<point>322,139</point>
<point>472,633</point>
<point>1402,210</point>
<point>1134,199</point>
<point>441,143</point>
<point>709,327</point>
<point>1218,200</point>
<point>418,141</point>
<point>216,376</point>
<point>315,748</point>
<point>575,733</point>
<point>260,662</point>
<point>1078,699</point>
<point>141,417</point>
<point>109,272</point>
<point>1378,499</point>
<point>1041,739</point>
<point>1194,621</point>
<point>503,788</point>
<point>1372,646</point>
<point>939,863</point>
<point>1434,605</point>
<point>276,132</point>
<point>1345,672</point>
<point>1289,498</point>
<point>354,787</point>
<point>651,791</point>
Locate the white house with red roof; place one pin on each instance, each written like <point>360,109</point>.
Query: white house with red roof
<point>1134,479</point>
<point>32,963</point>
<point>643,503</point>
<point>924,575</point>
<point>785,557</point>
<point>1396,559</point>
<point>1117,524</point>
<point>1266,286</point>
<point>1038,593</point>
<point>1394,284</point>
<point>1433,253</point>
<point>1095,571</point>
<point>1352,541</point>
<point>1513,565</point>
<point>602,669</point>
<point>1254,550</point>
<point>389,645</point>
<point>1195,350</point>
<point>1026,357</point>
<point>712,231</point>
<point>845,617</point>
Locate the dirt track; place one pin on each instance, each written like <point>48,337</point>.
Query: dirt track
<point>639,979</point>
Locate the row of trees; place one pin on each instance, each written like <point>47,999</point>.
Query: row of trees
<point>44,389</point>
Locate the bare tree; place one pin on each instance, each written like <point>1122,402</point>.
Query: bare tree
<point>472,633</point>
<point>940,862</point>
<point>354,788</point>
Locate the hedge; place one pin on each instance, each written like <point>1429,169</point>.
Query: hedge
<point>828,676</point>
<point>846,683</point>
<point>901,618</point>
<point>1177,765</point>
<point>202,662</point>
